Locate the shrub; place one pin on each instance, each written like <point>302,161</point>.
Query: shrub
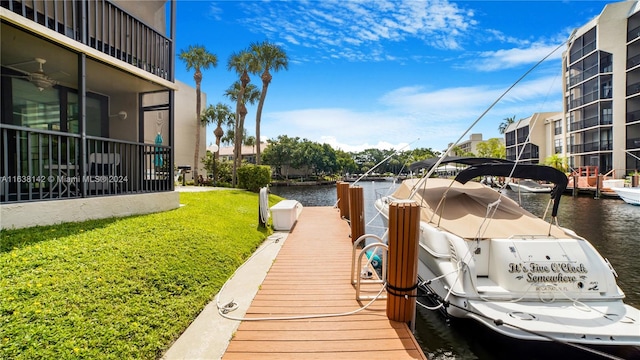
<point>253,177</point>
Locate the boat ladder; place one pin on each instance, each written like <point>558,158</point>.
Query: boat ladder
<point>365,273</point>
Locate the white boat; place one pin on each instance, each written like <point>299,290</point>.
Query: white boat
<point>631,195</point>
<point>528,186</point>
<point>483,257</point>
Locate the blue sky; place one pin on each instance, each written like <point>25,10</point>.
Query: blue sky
<point>385,73</point>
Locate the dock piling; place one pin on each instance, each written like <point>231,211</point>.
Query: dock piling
<point>402,279</point>
<point>356,211</point>
<point>343,199</point>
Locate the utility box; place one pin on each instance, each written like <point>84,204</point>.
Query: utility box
<point>285,214</point>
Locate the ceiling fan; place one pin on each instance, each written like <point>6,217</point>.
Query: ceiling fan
<point>38,78</point>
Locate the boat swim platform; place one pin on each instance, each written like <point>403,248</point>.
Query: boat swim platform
<point>311,276</point>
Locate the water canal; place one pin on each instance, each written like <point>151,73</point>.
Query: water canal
<point>611,225</point>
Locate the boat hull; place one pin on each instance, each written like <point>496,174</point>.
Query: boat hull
<point>529,189</point>
<point>629,195</point>
<point>573,301</point>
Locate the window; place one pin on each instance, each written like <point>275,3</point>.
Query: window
<point>54,109</point>
<point>33,108</point>
<point>557,144</point>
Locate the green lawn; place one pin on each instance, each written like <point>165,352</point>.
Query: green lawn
<point>121,288</point>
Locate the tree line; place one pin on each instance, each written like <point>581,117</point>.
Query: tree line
<point>311,160</point>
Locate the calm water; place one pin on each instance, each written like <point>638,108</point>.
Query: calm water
<point>611,225</point>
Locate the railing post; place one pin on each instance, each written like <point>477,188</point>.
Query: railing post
<point>404,220</point>
<point>356,211</point>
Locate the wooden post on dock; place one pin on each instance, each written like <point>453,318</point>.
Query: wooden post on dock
<point>339,196</point>
<point>404,226</point>
<point>598,185</point>
<point>343,200</point>
<point>574,191</point>
<point>356,211</point>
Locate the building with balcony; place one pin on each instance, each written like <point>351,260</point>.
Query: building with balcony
<point>469,146</point>
<point>602,91</point>
<point>531,140</point>
<point>87,112</point>
<point>248,152</point>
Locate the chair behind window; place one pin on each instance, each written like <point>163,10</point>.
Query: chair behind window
<point>103,170</point>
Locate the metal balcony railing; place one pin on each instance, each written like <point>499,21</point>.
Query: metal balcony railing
<point>633,61</point>
<point>633,88</point>
<point>103,26</point>
<point>633,116</point>
<point>633,33</point>
<point>633,143</point>
<point>40,165</point>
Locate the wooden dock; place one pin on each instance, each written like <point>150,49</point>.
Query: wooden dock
<point>310,276</point>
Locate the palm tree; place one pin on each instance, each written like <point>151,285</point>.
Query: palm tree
<point>557,162</point>
<point>251,93</point>
<point>220,114</point>
<point>198,58</point>
<point>269,57</point>
<point>242,63</point>
<point>250,96</point>
<point>505,124</point>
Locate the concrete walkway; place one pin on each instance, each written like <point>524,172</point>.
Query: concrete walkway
<point>209,334</point>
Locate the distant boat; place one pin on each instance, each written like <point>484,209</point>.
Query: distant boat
<point>529,186</point>
<point>631,195</point>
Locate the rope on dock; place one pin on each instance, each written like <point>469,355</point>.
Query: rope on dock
<point>223,313</point>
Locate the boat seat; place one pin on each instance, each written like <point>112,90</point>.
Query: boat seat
<point>486,285</point>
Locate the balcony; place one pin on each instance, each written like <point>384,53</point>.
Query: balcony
<point>633,89</point>
<point>633,62</point>
<point>42,165</point>
<point>594,146</point>
<point>578,51</point>
<point>633,34</point>
<point>103,26</point>
<point>633,116</point>
<point>633,143</point>
<point>583,75</point>
<point>591,122</point>
<point>587,98</point>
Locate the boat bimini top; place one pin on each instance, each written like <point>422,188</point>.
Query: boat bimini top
<point>473,211</point>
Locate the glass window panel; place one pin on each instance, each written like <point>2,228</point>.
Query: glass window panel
<point>33,108</point>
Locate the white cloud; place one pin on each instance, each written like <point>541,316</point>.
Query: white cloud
<point>336,144</point>
<point>326,25</point>
<point>215,12</point>
<point>510,58</point>
<point>438,117</point>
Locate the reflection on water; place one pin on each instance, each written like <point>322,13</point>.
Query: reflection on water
<point>611,225</point>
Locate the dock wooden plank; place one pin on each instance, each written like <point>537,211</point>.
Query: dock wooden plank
<point>329,324</point>
<point>320,335</point>
<point>315,346</point>
<point>310,276</point>
<point>369,355</point>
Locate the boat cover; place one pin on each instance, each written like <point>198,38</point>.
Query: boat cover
<point>464,209</point>
<point>481,166</point>
<point>535,172</point>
